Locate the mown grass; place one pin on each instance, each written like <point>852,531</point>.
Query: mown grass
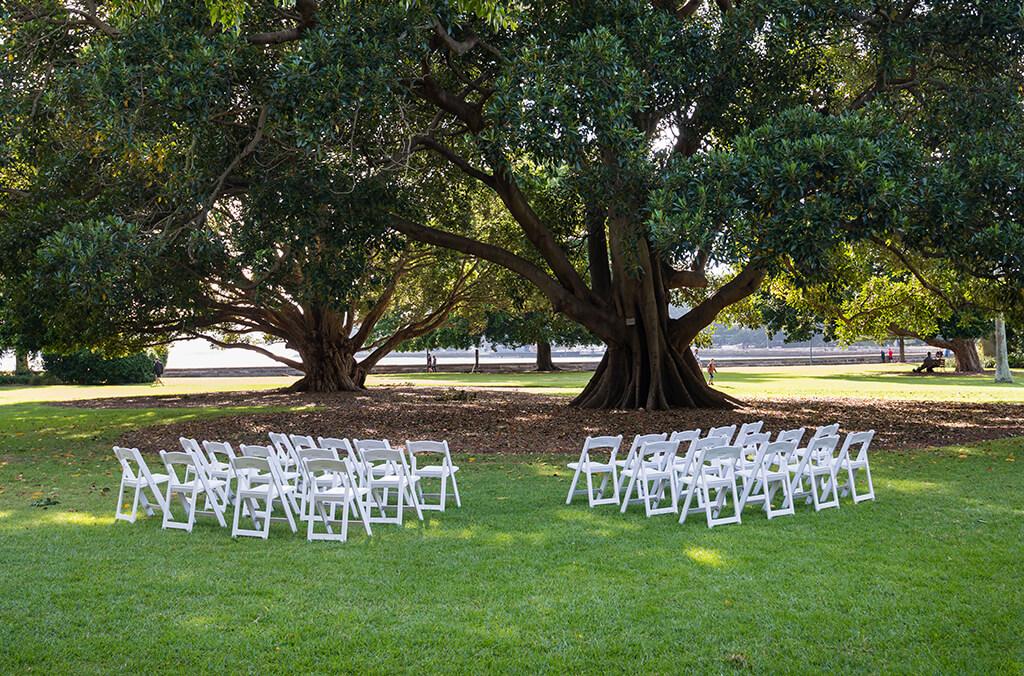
<point>925,579</point>
<point>862,381</point>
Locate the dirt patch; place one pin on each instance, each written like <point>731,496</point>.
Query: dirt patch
<point>518,422</point>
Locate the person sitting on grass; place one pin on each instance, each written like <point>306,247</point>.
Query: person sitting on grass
<point>928,364</point>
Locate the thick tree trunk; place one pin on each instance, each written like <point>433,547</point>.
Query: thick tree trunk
<point>333,370</point>
<point>21,365</point>
<point>631,377</point>
<point>903,350</point>
<point>544,361</point>
<point>965,350</point>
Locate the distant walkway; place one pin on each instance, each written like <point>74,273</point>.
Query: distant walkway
<point>506,365</point>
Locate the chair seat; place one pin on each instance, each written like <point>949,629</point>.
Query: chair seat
<point>134,481</point>
<point>436,470</point>
<point>196,483</point>
<point>392,480</point>
<point>591,466</point>
<point>340,492</point>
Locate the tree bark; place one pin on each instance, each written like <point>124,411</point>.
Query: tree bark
<point>331,369</point>
<point>649,373</point>
<point>544,361</point>
<point>1003,373</point>
<point>21,365</point>
<point>903,350</point>
<point>965,350</point>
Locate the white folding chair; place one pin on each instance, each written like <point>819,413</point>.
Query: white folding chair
<point>333,484</point>
<point>714,481</point>
<point>768,472</point>
<point>589,467</point>
<point>253,484</point>
<point>343,447</point>
<point>187,478</point>
<point>796,436</point>
<point>135,475</point>
<point>845,462</point>
<point>301,442</point>
<point>220,454</point>
<point>747,430</point>
<point>816,465</point>
<point>385,469</point>
<point>444,470</point>
<point>653,469</point>
<point>216,498</point>
<point>283,487</point>
<point>727,431</point>
<point>638,441</point>
<point>286,457</point>
<point>305,489</point>
<point>688,474</point>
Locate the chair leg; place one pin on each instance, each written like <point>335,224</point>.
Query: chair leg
<point>135,503</point>
<point>444,489</point>
<point>590,488</point>
<point>572,486</point>
<point>870,495</point>
<point>629,492</point>
<point>455,490</point>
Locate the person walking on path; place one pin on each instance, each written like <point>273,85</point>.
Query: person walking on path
<point>712,370</point>
<point>890,355</point>
<point>158,371</point>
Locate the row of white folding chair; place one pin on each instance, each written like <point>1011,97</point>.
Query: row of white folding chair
<point>443,469</point>
<point>761,466</point>
<point>292,488</point>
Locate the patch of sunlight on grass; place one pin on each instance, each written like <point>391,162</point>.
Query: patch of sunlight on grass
<point>5,515</point>
<point>705,557</point>
<point>77,519</point>
<point>912,486</point>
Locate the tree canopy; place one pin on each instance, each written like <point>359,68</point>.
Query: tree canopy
<point>620,156</point>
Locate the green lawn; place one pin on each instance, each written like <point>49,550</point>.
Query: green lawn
<point>12,394</point>
<point>869,381</point>
<point>926,579</point>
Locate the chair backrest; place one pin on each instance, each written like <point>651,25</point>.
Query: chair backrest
<point>283,447</point>
<point>256,451</point>
<point>726,431</point>
<point>613,444</point>
<point>825,431</point>
<point>753,445</point>
<point>710,442</point>
<point>219,451</point>
<point>372,444</point>
<point>175,459</point>
<point>746,430</point>
<point>343,447</point>
<point>861,440</point>
<point>776,455</point>
<point>686,437</point>
<point>796,435</point>
<point>189,445</point>
<point>301,442</point>
<point>719,456</point>
<point>133,466</point>
<point>308,454</point>
<point>660,453</point>
<point>338,471</point>
<point>822,449</point>
<point>261,465</point>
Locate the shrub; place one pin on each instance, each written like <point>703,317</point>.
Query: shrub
<point>1016,360</point>
<point>88,368</point>
<point>28,379</point>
